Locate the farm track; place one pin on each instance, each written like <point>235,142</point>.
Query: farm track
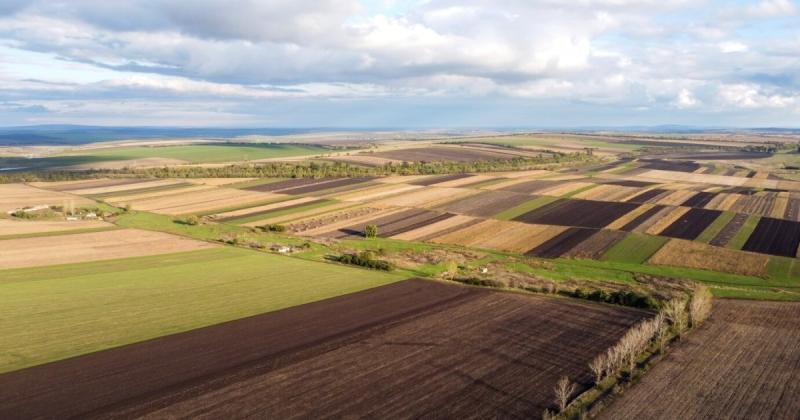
<point>743,363</point>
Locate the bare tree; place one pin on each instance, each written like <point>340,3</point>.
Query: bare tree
<point>598,366</point>
<point>675,311</point>
<point>700,306</point>
<point>564,390</point>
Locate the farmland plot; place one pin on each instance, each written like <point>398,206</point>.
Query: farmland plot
<point>561,243</point>
<point>202,201</point>
<point>741,364</point>
<point>443,153</point>
<point>394,224</point>
<point>691,224</point>
<point>486,203</point>
<point>22,227</point>
<point>500,235</point>
<point>680,253</point>
<point>80,247</point>
<point>430,350</point>
<point>775,237</point>
<point>13,196</point>
<point>580,213</point>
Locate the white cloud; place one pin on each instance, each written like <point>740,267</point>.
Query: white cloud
<point>732,47</point>
<point>685,99</point>
<point>753,96</point>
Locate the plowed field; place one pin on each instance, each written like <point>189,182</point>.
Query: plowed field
<point>742,364</point>
<point>409,350</point>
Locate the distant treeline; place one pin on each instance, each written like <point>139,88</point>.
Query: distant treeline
<point>306,169</point>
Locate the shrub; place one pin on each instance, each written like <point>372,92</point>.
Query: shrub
<point>273,228</point>
<point>371,231</point>
<point>190,220</point>
<point>365,259</point>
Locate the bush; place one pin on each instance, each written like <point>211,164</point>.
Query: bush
<point>371,231</point>
<point>190,220</point>
<point>365,259</point>
<point>475,281</point>
<point>273,228</point>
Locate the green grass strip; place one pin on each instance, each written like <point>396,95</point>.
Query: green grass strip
<point>715,227</point>
<point>635,248</point>
<point>525,207</point>
<point>782,268</point>
<point>59,232</point>
<point>738,241</point>
<point>280,212</point>
<point>580,190</point>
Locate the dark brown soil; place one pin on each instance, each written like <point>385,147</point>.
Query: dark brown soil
<point>580,213</point>
<point>744,363</point>
<point>408,350</point>
<point>646,196</point>
<point>394,224</point>
<point>638,220</point>
<point>329,184</point>
<point>265,212</point>
<point>666,165</point>
<point>596,245</point>
<point>282,185</point>
<point>699,200</point>
<point>774,237</point>
<point>530,187</point>
<point>486,204</point>
<point>691,224</point>
<point>561,243</point>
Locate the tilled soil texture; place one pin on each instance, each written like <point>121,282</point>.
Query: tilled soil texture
<point>438,179</point>
<point>638,220</point>
<point>793,210</point>
<point>627,183</point>
<point>647,196</point>
<point>580,213</point>
<point>699,200</point>
<point>774,237</point>
<point>664,165</point>
<point>760,204</point>
<point>280,186</point>
<point>691,224</point>
<point>486,204</point>
<point>394,224</point>
<point>330,184</point>
<point>529,187</point>
<point>730,230</point>
<point>597,245</point>
<point>742,364</point>
<point>561,243</point>
<point>441,153</point>
<point>408,350</point>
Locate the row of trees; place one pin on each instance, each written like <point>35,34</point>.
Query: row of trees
<point>677,316</point>
<point>305,169</point>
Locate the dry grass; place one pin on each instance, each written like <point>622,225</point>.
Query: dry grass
<point>428,197</point>
<point>126,187</point>
<point>266,207</point>
<point>376,192</point>
<point>628,217</point>
<point>723,201</point>
<point>694,178</point>
<point>779,207</point>
<point>13,196</point>
<point>667,220</point>
<point>121,200</point>
<point>465,181</point>
<point>676,198</point>
<point>82,247</point>
<point>218,182</point>
<point>20,227</point>
<point>681,253</point>
<point>299,215</point>
<point>434,228</point>
<point>567,188</point>
<point>200,201</point>
<point>501,235</point>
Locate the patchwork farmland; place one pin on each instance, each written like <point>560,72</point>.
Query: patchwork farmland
<point>172,292</point>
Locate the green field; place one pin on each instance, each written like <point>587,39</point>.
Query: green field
<point>738,241</point>
<point>209,153</point>
<point>55,312</point>
<point>635,248</point>
<point>714,228</point>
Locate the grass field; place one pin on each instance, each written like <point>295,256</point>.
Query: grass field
<point>55,312</point>
<point>714,228</point>
<point>209,153</point>
<point>634,248</point>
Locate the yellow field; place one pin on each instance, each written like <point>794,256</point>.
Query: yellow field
<point>681,253</point>
<point>13,196</point>
<point>82,247</point>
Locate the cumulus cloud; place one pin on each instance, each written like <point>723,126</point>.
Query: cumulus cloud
<point>625,54</point>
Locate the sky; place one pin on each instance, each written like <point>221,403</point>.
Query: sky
<point>400,63</point>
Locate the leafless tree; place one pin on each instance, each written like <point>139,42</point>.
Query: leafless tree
<point>700,306</point>
<point>675,311</point>
<point>598,366</point>
<point>564,390</point>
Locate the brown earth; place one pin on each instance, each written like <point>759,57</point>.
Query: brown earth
<point>743,363</point>
<point>14,196</point>
<point>81,247</point>
<point>408,350</point>
<point>486,204</point>
<point>681,253</point>
<point>24,227</point>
